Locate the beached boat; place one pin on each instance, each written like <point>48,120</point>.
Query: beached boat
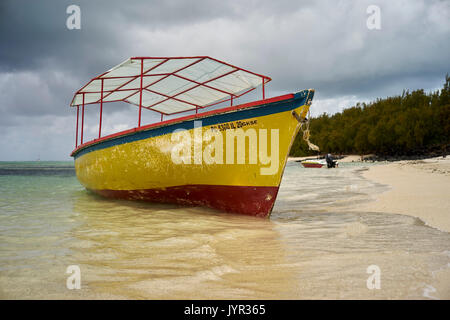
<point>231,159</point>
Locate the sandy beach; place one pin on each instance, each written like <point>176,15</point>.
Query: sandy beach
<point>419,188</point>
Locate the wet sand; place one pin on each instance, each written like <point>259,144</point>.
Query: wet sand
<point>418,188</point>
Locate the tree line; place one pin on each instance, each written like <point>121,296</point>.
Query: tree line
<point>409,124</point>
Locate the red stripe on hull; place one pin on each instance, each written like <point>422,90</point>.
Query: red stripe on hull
<point>253,201</point>
<point>312,165</point>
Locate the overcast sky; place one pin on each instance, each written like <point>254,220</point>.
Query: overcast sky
<point>324,45</point>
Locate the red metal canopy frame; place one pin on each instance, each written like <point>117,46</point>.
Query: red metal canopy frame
<point>194,84</point>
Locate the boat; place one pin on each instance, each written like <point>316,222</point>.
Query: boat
<point>313,163</point>
<point>205,150</point>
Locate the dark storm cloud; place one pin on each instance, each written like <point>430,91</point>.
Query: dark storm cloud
<point>301,44</point>
<point>33,33</point>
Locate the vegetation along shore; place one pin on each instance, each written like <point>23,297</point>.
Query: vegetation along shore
<point>413,124</point>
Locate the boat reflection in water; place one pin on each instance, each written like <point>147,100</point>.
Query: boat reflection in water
<point>158,251</point>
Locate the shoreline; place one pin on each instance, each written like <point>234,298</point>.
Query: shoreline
<point>419,188</point>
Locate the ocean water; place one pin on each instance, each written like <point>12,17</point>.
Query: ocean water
<point>315,245</point>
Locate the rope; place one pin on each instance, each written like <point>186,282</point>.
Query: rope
<point>306,134</point>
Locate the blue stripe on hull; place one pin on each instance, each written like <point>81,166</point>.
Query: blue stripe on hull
<point>258,111</point>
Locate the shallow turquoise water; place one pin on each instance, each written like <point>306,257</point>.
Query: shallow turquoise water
<point>315,245</point>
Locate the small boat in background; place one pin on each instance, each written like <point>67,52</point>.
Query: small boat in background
<point>313,163</point>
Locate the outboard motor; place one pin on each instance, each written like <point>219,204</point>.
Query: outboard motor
<point>330,162</point>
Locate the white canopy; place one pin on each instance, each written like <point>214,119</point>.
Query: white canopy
<point>169,85</point>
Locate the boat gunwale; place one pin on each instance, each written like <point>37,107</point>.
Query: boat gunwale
<point>155,125</point>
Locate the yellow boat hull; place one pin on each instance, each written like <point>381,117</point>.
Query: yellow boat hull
<point>210,170</point>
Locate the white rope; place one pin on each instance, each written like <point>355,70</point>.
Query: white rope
<point>306,135</point>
